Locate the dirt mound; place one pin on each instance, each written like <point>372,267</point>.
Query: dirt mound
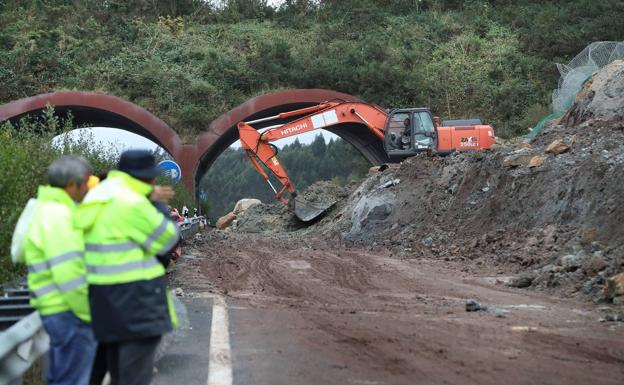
<point>554,222</point>
<point>265,217</point>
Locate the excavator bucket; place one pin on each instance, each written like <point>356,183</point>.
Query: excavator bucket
<point>307,211</point>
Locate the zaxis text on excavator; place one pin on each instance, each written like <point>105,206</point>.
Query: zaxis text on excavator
<point>404,132</point>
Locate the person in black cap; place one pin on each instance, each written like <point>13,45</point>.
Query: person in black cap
<point>127,243</point>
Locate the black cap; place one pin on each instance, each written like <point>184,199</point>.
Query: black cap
<point>140,164</point>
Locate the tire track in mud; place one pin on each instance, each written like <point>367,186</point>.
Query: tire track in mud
<point>268,277</point>
<point>259,270</point>
<point>334,279</point>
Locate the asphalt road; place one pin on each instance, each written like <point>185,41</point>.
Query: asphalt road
<point>186,359</point>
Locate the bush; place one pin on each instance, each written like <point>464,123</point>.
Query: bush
<point>26,150</point>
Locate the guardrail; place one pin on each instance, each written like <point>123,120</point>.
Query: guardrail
<point>25,341</point>
<point>191,226</point>
<point>14,305</point>
<point>20,346</point>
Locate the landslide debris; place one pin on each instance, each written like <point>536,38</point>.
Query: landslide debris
<point>548,212</point>
<point>277,217</point>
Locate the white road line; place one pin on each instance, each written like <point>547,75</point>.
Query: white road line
<point>220,359</point>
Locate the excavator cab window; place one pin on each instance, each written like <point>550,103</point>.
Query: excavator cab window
<point>398,132</point>
<point>424,131</point>
<point>409,132</point>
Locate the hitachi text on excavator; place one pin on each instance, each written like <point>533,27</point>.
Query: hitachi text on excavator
<point>404,132</point>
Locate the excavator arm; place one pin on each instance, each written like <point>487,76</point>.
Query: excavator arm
<point>260,151</point>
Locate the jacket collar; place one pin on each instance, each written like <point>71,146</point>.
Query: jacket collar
<point>136,185</point>
<point>55,194</point>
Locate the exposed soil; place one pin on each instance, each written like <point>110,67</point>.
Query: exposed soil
<point>383,278</point>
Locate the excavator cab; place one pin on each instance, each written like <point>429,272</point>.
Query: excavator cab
<point>409,132</point>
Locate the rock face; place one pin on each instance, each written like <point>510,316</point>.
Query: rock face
<point>602,98</point>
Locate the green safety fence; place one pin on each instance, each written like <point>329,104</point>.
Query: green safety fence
<point>557,114</point>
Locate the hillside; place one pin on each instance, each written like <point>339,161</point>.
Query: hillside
<point>188,62</point>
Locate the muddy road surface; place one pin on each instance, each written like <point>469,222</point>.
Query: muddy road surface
<point>302,311</point>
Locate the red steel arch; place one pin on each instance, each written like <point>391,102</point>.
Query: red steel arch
<point>194,159</point>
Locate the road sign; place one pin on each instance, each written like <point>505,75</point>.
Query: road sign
<point>171,169</point>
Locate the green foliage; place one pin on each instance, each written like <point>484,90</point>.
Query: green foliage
<point>232,177</point>
<point>26,150</point>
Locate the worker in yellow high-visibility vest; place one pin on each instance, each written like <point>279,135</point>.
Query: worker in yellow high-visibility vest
<point>52,248</point>
<point>128,239</point>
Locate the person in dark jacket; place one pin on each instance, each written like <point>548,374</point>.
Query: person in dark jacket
<point>127,241</point>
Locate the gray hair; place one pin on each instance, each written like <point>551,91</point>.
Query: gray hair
<point>66,169</point>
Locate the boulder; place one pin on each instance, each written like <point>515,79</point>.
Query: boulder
<point>588,236</point>
<point>594,264</point>
<point>522,281</point>
<point>517,160</point>
<point>614,287</point>
<point>537,161</point>
<point>571,262</point>
<point>550,235</point>
<point>244,204</point>
<point>225,221</point>
<point>472,305</point>
<point>557,147</point>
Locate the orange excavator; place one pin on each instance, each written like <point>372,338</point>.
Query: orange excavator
<point>404,132</point>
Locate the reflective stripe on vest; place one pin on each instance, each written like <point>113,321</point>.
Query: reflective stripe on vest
<point>156,233</point>
<point>169,245</point>
<point>111,247</point>
<point>67,286</point>
<point>122,268</point>
<point>41,266</point>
